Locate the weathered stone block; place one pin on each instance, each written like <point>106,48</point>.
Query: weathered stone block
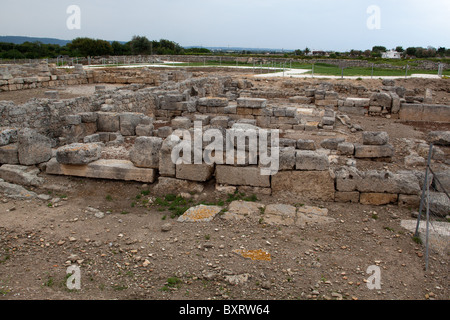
<point>310,160</point>
<point>381,99</point>
<point>247,176</point>
<point>145,130</point>
<point>346,148</point>
<point>375,138</point>
<point>306,144</point>
<point>408,201</point>
<point>145,152</point>
<point>194,172</point>
<point>128,123</point>
<point>8,136</point>
<point>88,117</point>
<point>331,143</point>
<point>79,153</point>
<point>103,169</point>
<point>108,122</point>
<point>251,103</point>
<point>220,121</point>
<point>378,199</point>
<point>9,154</point>
<point>364,151</point>
<point>72,120</point>
<point>213,102</point>
<point>314,185</point>
<point>181,123</point>
<point>22,175</point>
<point>352,196</point>
<point>33,148</point>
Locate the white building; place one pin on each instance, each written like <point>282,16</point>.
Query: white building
<point>391,54</point>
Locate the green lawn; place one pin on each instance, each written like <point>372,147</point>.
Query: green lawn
<point>319,69</point>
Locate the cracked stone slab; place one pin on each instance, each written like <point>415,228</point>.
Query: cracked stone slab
<point>200,213</point>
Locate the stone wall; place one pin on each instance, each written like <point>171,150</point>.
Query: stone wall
<point>42,75</point>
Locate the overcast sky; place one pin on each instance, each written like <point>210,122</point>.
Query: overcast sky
<point>290,24</point>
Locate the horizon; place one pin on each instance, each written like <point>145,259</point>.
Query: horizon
<point>269,24</point>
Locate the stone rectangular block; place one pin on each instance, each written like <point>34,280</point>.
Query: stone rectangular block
<point>241,176</point>
<point>307,160</point>
<point>33,148</point>
<point>313,185</point>
<point>251,103</point>
<point>128,123</point>
<point>108,122</point>
<point>213,102</point>
<point>9,154</point>
<point>79,153</point>
<point>368,151</point>
<point>374,138</point>
<point>194,172</point>
<point>145,152</point>
<point>378,199</point>
<point>103,169</point>
<point>352,196</point>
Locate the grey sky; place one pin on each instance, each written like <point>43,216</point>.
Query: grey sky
<point>289,24</point>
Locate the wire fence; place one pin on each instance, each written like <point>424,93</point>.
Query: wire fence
<point>285,67</point>
<point>433,226</point>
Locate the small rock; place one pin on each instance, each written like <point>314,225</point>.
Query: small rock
<point>166,227</point>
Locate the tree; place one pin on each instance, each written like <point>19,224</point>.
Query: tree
<point>298,52</point>
<point>441,51</point>
<point>140,45</point>
<point>399,49</point>
<point>379,49</point>
<point>411,51</point>
<point>89,47</point>
<point>307,50</point>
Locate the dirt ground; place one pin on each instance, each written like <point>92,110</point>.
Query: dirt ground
<point>132,253</point>
<point>126,255</point>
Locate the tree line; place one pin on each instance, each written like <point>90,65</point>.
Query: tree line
<point>87,47</point>
<point>377,52</point>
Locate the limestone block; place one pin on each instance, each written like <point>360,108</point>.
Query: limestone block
<point>368,151</point>
<point>331,143</point>
<point>314,185</point>
<point>247,176</point>
<point>251,103</point>
<point>79,153</point>
<point>128,122</point>
<point>145,152</point>
<point>346,148</point>
<point>9,154</point>
<point>103,169</point>
<point>108,122</point>
<point>306,144</point>
<point>33,148</point>
<point>194,172</point>
<point>375,138</point>
<point>378,199</point>
<point>145,130</point>
<point>307,160</point>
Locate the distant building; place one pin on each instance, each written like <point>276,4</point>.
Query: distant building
<point>318,53</point>
<point>391,54</point>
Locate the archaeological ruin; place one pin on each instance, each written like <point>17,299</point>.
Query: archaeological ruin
<point>80,136</point>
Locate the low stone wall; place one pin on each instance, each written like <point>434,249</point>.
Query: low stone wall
<point>42,75</point>
<point>424,112</point>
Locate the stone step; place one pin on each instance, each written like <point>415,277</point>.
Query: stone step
<point>103,169</point>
